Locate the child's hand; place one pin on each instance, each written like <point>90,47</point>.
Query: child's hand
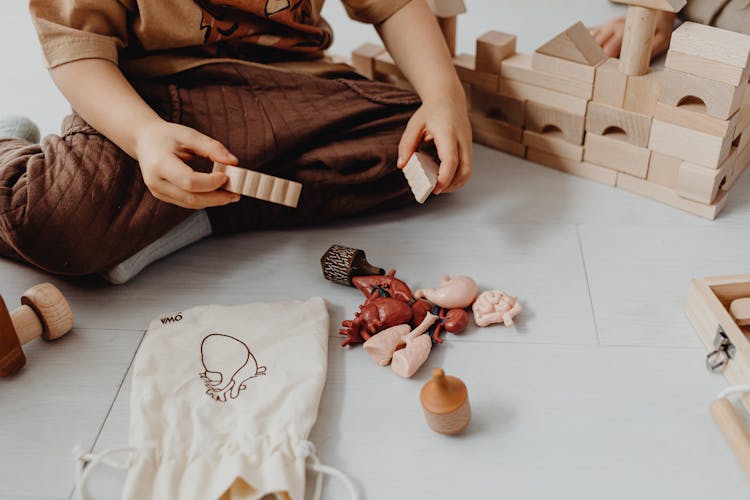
<point>161,150</point>
<point>610,34</point>
<point>446,122</point>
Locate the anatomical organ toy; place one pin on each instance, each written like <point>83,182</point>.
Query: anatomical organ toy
<point>390,302</point>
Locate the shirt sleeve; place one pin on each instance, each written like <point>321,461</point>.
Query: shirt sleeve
<point>71,30</point>
<point>372,11</point>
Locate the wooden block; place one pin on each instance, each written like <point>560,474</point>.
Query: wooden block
<point>363,59</point>
<point>575,44</point>
<point>573,70</point>
<point>637,41</point>
<point>518,68</point>
<point>670,197</point>
<point>499,107</point>
<point>664,169</point>
<point>643,92</point>
<point>693,116</point>
<point>610,84</point>
<point>500,143</point>
<point>542,118</point>
<point>383,64</point>
<point>465,68</point>
<point>707,42</point>
<point>553,143</point>
<point>664,5</point>
<point>743,121</point>
<point>702,184</point>
<point>602,119</point>
<point>421,172</point>
<point>740,309</point>
<point>613,151</point>
<point>688,144</point>
<point>740,164</point>
<point>259,185</point>
<point>707,68</point>
<point>492,48</point>
<point>720,99</point>
<point>526,92</point>
<point>579,168</point>
<point>448,27</point>
<point>447,8</point>
<point>492,126</point>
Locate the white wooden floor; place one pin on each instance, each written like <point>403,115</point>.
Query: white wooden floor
<point>599,392</point>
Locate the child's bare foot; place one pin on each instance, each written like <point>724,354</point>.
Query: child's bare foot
<point>19,127</point>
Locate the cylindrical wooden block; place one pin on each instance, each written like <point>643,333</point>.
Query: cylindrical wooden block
<point>448,27</point>
<point>734,430</point>
<point>635,56</point>
<point>445,402</point>
<point>27,324</point>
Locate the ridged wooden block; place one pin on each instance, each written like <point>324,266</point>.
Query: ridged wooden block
<point>261,186</point>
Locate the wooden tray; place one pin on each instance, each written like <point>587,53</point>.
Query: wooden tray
<point>707,307</point>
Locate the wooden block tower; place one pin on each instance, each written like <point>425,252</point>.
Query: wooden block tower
<point>680,136</point>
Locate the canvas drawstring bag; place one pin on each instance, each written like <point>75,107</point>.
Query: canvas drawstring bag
<point>223,400</point>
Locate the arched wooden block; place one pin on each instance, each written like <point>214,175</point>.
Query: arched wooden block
<point>542,118</point>
<point>721,99</point>
<point>601,118</point>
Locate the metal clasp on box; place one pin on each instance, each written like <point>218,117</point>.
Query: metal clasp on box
<point>723,351</point>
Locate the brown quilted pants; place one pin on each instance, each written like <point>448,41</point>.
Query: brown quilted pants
<point>77,204</point>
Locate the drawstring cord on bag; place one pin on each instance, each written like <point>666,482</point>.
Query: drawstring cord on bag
<point>86,462</point>
<point>306,450</point>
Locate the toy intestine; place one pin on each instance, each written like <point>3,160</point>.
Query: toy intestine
<point>494,306</point>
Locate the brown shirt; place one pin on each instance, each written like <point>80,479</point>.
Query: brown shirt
<point>731,15</point>
<point>159,37</point>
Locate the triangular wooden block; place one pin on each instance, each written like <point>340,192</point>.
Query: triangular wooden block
<point>665,5</point>
<point>575,44</point>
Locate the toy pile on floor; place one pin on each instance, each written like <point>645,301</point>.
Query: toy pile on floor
<point>679,135</point>
<point>399,328</point>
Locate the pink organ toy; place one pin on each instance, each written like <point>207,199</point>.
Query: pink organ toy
<point>494,306</point>
<point>454,293</point>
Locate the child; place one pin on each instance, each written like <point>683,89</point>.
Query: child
<point>159,85</point>
<point>731,15</point>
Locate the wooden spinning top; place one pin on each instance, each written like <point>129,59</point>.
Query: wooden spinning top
<point>340,264</point>
<point>44,312</point>
<point>445,402</point>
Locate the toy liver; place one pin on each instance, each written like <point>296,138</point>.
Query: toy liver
<point>340,264</point>
<point>494,306</point>
<point>44,312</point>
<point>445,402</point>
<point>454,293</point>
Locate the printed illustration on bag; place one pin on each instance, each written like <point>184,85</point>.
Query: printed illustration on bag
<point>228,364</point>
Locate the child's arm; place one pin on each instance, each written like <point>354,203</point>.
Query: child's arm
<point>98,91</point>
<point>610,34</point>
<point>413,38</point>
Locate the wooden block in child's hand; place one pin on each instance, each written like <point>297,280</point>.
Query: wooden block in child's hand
<point>261,186</point>
<point>421,172</point>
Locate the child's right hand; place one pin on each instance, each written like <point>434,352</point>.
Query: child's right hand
<point>162,148</point>
<point>610,34</point>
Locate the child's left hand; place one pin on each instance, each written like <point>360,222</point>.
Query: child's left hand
<point>446,122</point>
